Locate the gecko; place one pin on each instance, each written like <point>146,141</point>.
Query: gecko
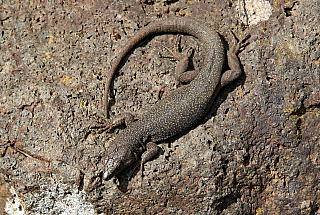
<point>180,109</point>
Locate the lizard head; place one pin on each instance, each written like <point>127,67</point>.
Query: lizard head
<point>118,158</point>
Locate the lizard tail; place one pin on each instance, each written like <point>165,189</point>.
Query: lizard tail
<point>209,40</point>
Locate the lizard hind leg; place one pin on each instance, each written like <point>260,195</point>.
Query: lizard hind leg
<point>182,74</point>
<point>183,58</point>
<point>233,61</point>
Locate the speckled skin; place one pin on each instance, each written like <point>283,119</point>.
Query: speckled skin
<point>179,110</point>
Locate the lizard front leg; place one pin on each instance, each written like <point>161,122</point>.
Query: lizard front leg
<point>124,118</point>
<point>151,151</point>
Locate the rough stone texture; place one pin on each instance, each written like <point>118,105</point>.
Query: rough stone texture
<point>257,152</point>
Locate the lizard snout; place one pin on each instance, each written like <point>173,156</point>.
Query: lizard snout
<point>118,158</point>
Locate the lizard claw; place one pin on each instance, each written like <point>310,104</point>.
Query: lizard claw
<point>238,47</point>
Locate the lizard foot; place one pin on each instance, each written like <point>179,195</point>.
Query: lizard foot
<point>162,92</point>
<point>240,45</point>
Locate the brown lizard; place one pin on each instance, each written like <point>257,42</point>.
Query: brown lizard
<point>180,109</point>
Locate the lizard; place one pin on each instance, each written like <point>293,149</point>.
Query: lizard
<point>180,109</point>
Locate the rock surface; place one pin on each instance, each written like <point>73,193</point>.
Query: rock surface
<point>257,152</point>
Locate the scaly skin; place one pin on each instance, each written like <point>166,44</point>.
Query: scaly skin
<point>180,109</point>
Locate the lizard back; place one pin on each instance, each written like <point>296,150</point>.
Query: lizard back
<point>181,109</point>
